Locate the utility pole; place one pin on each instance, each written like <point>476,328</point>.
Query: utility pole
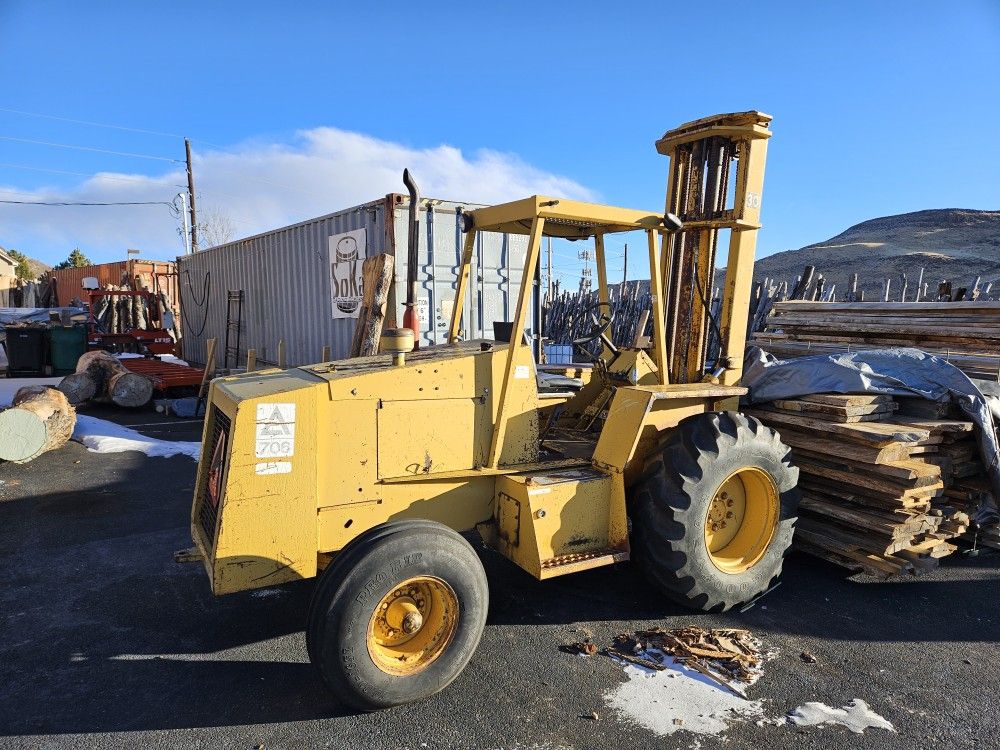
<point>194,214</point>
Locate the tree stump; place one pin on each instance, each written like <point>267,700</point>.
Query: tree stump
<point>40,419</point>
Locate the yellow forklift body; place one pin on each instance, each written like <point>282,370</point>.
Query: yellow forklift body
<point>296,464</point>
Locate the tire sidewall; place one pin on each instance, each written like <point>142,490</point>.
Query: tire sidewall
<point>744,585</point>
<point>344,659</point>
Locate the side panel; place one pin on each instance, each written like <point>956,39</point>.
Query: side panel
<point>425,437</point>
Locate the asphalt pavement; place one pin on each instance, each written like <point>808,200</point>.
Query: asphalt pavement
<point>106,642</point>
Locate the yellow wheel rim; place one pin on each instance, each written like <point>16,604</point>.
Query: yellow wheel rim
<point>412,625</point>
<point>741,520</point>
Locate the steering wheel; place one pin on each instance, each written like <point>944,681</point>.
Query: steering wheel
<point>602,321</point>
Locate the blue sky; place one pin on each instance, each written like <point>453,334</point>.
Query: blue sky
<point>297,109</point>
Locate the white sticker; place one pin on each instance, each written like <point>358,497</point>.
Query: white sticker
<point>423,313</point>
<point>275,430</point>
<point>522,372</point>
<point>275,467</point>
<point>347,254</point>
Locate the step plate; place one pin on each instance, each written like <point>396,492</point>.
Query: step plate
<point>557,566</point>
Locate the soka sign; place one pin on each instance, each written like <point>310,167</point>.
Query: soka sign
<point>347,254</point>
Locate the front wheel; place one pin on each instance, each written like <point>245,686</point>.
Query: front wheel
<point>714,511</point>
<point>402,620</point>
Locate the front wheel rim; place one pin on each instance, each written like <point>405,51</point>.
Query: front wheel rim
<point>412,625</point>
<point>742,519</point>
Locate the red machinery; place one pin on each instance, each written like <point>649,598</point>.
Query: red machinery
<point>151,340</point>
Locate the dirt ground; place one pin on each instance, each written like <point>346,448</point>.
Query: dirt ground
<point>106,642</point>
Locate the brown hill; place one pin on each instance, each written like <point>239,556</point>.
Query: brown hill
<point>951,244</point>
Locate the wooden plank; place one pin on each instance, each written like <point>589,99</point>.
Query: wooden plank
<point>876,410</point>
<point>848,399</point>
<point>845,449</point>
<point>875,433</point>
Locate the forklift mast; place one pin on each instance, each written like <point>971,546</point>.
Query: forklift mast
<point>710,197</point>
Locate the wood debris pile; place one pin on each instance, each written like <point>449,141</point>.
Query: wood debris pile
<point>730,657</point>
<point>887,483</point>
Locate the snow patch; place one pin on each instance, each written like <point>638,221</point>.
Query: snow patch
<point>856,716</point>
<point>679,698</point>
<point>101,436</point>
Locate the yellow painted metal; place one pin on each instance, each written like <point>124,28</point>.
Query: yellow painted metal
<point>420,442</point>
<point>749,132</point>
<point>413,625</point>
<point>569,219</point>
<point>540,518</point>
<point>451,434</point>
<point>523,366</point>
<point>265,532</point>
<point>638,415</point>
<point>742,520</point>
<point>659,315</point>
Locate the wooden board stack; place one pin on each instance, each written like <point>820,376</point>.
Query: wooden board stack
<point>965,333</point>
<point>873,482</point>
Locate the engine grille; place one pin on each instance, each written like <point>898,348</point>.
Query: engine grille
<point>208,513</point>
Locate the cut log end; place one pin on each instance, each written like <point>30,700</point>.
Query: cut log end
<point>41,419</point>
<point>130,389</point>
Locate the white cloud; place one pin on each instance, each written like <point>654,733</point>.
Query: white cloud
<point>261,186</point>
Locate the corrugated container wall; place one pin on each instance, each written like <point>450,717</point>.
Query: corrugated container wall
<point>299,282</point>
<point>69,281</point>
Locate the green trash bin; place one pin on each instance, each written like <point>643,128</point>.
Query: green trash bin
<point>66,346</point>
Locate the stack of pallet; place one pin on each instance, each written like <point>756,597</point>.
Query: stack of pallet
<point>873,481</point>
<point>965,333</point>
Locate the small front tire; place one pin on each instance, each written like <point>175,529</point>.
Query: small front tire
<point>402,620</point>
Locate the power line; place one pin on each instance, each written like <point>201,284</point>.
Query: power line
<point>84,203</point>
<point>103,175</point>
<point>88,148</point>
<point>87,122</point>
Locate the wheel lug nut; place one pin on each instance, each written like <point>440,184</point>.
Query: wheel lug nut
<point>729,514</point>
<point>729,504</point>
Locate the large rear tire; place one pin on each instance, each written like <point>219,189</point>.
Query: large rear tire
<point>401,615</point>
<point>714,511</point>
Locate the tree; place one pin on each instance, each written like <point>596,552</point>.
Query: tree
<point>215,227</point>
<point>23,269</point>
<point>76,259</point>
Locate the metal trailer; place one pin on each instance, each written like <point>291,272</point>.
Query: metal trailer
<point>300,285</point>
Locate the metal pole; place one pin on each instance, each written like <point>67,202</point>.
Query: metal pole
<point>625,269</point>
<point>194,214</point>
<point>549,263</point>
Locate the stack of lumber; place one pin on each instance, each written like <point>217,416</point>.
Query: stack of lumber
<point>965,333</point>
<point>873,481</point>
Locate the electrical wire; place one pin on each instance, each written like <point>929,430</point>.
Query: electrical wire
<point>102,175</point>
<point>87,122</point>
<point>84,203</point>
<point>88,148</point>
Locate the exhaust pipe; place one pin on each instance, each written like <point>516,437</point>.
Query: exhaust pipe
<point>410,317</point>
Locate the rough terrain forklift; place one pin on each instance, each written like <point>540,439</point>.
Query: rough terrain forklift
<point>363,472</point>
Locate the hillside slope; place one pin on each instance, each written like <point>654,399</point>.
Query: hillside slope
<point>949,244</point>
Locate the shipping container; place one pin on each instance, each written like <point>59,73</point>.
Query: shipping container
<point>301,284</point>
<point>69,281</point>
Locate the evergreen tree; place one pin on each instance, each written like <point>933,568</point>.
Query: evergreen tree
<point>76,259</point>
<point>22,270</point>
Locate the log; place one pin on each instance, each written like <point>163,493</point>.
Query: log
<point>112,381</point>
<point>78,387</point>
<point>40,419</point>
